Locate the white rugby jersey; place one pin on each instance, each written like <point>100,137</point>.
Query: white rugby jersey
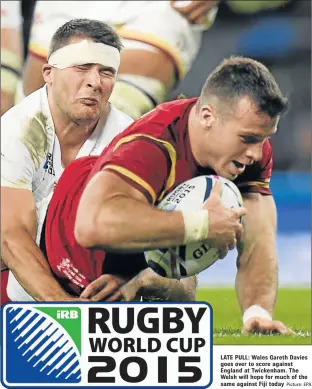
<point>30,150</point>
<point>31,156</point>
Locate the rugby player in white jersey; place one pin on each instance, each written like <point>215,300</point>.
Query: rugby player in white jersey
<point>68,118</point>
<point>161,41</point>
<point>11,51</point>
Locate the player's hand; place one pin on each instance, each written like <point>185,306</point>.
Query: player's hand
<point>225,228</point>
<point>105,288</point>
<point>146,283</point>
<point>265,326</point>
<point>131,290</point>
<point>194,11</point>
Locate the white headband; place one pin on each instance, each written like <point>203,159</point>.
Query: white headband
<point>85,52</point>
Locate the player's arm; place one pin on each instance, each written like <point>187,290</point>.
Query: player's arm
<point>18,217</point>
<point>257,273</point>
<point>257,264</point>
<point>19,250</point>
<point>113,215</point>
<point>115,212</point>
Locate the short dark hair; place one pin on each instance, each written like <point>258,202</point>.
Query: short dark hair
<point>95,30</point>
<point>238,77</point>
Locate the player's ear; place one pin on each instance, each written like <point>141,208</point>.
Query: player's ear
<point>46,73</point>
<point>206,116</point>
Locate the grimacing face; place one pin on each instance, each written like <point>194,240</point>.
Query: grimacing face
<point>82,91</point>
<point>235,140</point>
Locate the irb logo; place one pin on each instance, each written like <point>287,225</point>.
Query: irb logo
<point>43,343</point>
<point>67,314</point>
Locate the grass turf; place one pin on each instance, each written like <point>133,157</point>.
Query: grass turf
<point>293,308</point>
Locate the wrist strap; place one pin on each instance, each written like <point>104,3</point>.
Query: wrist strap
<point>196,226</point>
<point>255,311</point>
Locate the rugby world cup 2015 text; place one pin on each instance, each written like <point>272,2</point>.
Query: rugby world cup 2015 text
<point>136,346</point>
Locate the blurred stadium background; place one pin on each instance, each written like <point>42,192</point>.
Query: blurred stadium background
<point>281,39</point>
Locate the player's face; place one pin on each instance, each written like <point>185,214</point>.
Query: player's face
<point>235,140</point>
<point>82,91</point>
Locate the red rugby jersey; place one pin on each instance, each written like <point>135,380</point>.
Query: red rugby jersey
<point>153,154</point>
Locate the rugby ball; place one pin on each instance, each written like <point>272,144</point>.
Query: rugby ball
<point>185,261</point>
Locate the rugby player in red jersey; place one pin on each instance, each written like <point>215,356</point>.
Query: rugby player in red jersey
<point>104,205</point>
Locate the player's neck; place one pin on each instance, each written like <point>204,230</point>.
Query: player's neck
<point>69,132</point>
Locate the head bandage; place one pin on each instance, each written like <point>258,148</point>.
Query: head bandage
<point>85,52</point>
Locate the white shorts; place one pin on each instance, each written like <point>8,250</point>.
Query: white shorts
<point>11,16</point>
<point>150,22</point>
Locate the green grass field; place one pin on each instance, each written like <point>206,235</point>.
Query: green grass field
<point>293,308</point>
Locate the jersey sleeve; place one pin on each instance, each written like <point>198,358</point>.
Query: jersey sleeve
<point>145,163</point>
<point>17,165</point>
<point>256,177</point>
